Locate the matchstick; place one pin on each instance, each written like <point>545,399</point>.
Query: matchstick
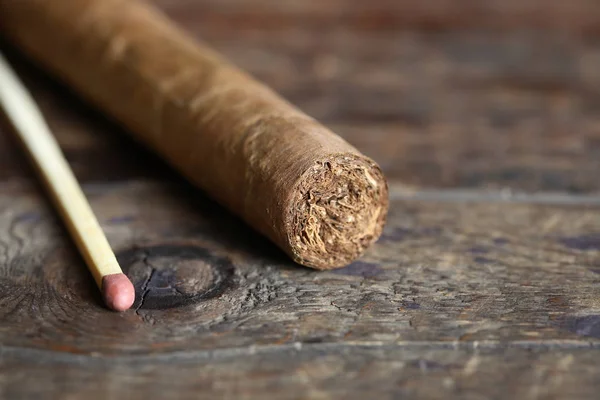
<point>32,130</point>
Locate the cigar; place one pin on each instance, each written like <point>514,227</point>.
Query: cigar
<point>290,178</point>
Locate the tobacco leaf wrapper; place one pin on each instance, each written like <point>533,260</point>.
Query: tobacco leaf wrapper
<point>308,190</point>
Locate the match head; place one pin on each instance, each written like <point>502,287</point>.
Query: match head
<point>118,292</point>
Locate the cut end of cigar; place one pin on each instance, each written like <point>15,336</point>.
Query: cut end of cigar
<point>118,292</point>
<point>338,212</point>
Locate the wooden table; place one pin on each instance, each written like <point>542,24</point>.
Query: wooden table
<point>485,116</point>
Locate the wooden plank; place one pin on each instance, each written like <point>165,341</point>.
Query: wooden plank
<point>469,294</point>
<point>514,110</point>
<point>579,17</point>
<point>443,271</point>
<point>309,371</point>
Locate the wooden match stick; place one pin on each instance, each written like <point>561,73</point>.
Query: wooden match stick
<point>31,128</point>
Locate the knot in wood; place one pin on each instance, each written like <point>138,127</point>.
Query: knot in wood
<point>168,276</point>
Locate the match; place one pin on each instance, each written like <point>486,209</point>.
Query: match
<point>32,130</point>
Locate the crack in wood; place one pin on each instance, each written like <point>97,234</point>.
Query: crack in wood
<point>145,289</point>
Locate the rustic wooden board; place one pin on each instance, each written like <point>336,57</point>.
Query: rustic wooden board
<point>450,108</point>
<point>578,17</point>
<point>458,297</point>
<point>475,290</point>
<point>318,371</point>
<point>443,271</point>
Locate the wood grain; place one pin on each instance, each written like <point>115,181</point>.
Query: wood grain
<point>317,371</point>
<point>476,290</point>
<point>578,17</point>
<point>515,279</point>
<point>443,271</point>
<point>460,108</point>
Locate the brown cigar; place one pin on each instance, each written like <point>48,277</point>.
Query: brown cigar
<point>309,191</point>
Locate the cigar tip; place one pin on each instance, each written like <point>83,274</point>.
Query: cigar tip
<point>118,292</point>
<point>338,209</point>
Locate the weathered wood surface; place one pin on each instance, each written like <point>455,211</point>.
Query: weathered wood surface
<point>227,308</point>
<point>463,107</point>
<point>317,371</point>
<point>443,271</point>
<point>475,290</point>
<point>578,17</point>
